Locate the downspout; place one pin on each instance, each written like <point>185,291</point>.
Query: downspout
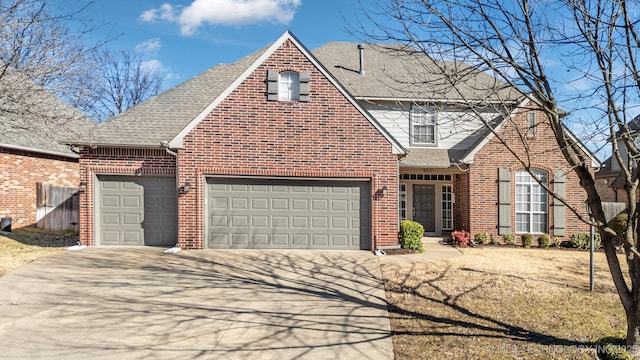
<point>165,145</point>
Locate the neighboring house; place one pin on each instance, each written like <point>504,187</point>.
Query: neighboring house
<point>286,148</point>
<point>610,180</point>
<point>456,174</point>
<point>267,152</point>
<point>32,153</point>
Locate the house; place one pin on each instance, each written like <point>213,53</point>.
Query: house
<point>33,125</point>
<point>457,174</point>
<point>288,148</point>
<point>610,180</point>
<point>267,152</point>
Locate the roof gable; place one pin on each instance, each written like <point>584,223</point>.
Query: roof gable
<point>177,141</point>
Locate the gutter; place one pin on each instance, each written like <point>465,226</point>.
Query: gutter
<point>40,151</point>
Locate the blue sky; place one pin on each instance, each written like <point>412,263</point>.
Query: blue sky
<point>186,37</point>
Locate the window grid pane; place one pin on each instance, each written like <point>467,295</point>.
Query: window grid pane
<point>532,202</point>
<point>447,207</point>
<point>402,201</point>
<point>289,86</point>
<point>423,125</point>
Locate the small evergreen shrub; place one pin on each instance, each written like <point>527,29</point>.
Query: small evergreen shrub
<point>411,234</point>
<point>461,238</point>
<point>544,241</point>
<point>494,240</point>
<point>527,240</point>
<point>581,240</point>
<point>509,239</point>
<point>481,238</point>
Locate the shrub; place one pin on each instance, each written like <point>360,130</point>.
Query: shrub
<point>461,238</point>
<point>613,348</point>
<point>494,240</point>
<point>481,238</point>
<point>581,240</point>
<point>544,241</point>
<point>527,240</point>
<point>509,239</point>
<point>411,234</point>
<point>619,223</point>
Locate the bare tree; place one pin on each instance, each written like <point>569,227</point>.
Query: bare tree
<point>40,52</point>
<point>522,43</point>
<point>122,80</point>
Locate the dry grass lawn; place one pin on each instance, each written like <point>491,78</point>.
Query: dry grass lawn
<point>501,303</point>
<point>25,245</point>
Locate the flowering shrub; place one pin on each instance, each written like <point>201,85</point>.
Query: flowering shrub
<point>461,238</point>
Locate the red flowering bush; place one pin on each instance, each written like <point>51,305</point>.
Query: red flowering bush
<point>461,238</point>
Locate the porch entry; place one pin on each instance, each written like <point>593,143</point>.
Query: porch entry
<point>424,206</point>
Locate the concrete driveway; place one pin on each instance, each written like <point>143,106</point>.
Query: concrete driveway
<point>135,303</point>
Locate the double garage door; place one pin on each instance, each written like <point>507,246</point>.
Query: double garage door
<point>239,213</point>
<point>287,214</point>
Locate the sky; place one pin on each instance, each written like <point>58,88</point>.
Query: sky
<point>186,37</point>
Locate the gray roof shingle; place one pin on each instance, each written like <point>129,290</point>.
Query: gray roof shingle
<point>163,116</point>
<point>34,119</point>
<point>395,71</point>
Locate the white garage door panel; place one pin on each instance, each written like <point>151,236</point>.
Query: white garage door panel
<point>256,213</point>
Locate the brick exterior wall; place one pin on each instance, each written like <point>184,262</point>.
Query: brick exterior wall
<point>607,193</point>
<point>114,161</point>
<point>544,154</point>
<point>248,135</point>
<point>324,137</point>
<point>19,173</point>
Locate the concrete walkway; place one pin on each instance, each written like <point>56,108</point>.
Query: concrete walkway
<point>138,303</point>
<point>434,249</point>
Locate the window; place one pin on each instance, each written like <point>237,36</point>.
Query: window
<point>289,86</point>
<point>447,207</point>
<point>402,201</point>
<point>532,124</point>
<point>423,125</point>
<point>532,202</point>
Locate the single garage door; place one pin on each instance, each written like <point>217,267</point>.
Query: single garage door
<point>285,214</point>
<point>136,211</point>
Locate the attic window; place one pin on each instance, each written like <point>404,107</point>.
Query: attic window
<point>288,86</point>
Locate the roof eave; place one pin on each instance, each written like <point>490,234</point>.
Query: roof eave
<point>39,151</point>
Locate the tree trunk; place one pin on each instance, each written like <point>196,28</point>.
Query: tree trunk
<point>633,331</point>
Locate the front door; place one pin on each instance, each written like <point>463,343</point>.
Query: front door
<point>424,206</point>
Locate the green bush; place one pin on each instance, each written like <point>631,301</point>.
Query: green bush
<point>481,238</point>
<point>619,223</point>
<point>509,239</point>
<point>581,240</point>
<point>613,348</point>
<point>544,241</point>
<point>411,234</point>
<point>494,240</point>
<point>527,240</point>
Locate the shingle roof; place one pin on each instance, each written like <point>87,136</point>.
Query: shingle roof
<point>162,117</point>
<point>398,72</point>
<point>432,157</point>
<point>34,119</point>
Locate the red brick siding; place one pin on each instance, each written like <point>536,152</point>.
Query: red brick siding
<point>19,173</point>
<point>461,206</point>
<point>544,154</point>
<point>324,137</point>
<point>606,192</point>
<point>115,161</point>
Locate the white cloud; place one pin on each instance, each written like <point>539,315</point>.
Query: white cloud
<point>149,47</point>
<point>152,65</point>
<point>223,12</point>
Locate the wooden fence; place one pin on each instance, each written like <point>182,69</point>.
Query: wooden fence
<point>57,208</point>
<point>611,209</point>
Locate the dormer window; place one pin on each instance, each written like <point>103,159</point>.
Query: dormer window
<point>423,125</point>
<point>289,86</point>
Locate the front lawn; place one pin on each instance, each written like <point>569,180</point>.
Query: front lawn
<point>501,303</point>
<point>25,245</point>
